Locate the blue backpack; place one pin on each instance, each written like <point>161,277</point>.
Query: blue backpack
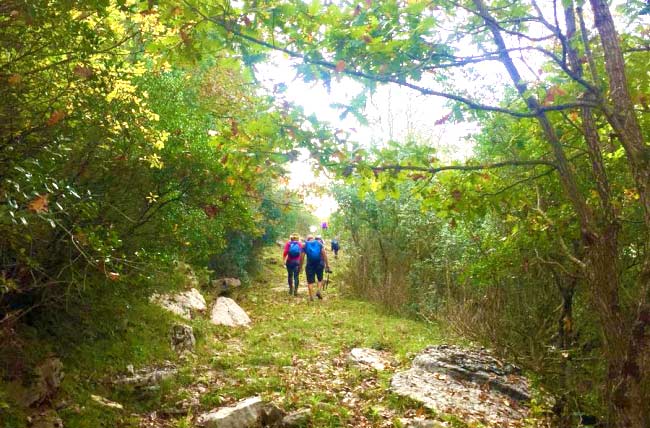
<point>294,248</point>
<point>313,250</point>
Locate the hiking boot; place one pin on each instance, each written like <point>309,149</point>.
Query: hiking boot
<point>295,292</point>
<point>311,298</point>
<point>319,295</point>
<point>291,290</point>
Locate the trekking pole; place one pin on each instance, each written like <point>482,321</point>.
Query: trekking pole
<point>327,280</point>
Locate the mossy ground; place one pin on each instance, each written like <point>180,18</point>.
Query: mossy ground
<point>294,354</point>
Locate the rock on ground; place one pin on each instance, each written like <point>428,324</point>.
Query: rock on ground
<point>245,414</point>
<point>369,358</point>
<point>185,304</point>
<point>468,383</point>
<point>227,312</point>
<point>297,419</point>
<point>225,285</point>
<point>420,423</point>
<point>147,377</point>
<point>182,338</point>
<point>106,402</point>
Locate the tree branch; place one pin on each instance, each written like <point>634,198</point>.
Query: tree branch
<point>435,170</point>
<point>231,27</point>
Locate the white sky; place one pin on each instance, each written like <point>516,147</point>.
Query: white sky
<point>395,112</point>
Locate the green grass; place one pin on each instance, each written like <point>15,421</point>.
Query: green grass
<point>294,354</point>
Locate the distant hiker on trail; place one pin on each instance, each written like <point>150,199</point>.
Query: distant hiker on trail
<point>293,259</point>
<point>316,262</point>
<point>335,247</point>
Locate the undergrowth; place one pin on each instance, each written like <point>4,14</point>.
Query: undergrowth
<point>294,354</point>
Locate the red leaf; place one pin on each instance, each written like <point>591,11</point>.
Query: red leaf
<point>56,117</point>
<point>340,66</point>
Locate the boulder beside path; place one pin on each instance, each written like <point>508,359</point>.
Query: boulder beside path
<point>186,304</point>
<point>227,312</point>
<point>469,383</point>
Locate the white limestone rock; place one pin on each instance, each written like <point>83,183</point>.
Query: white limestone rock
<point>186,304</point>
<point>226,312</point>
<point>245,414</point>
<point>369,358</point>
<point>467,382</point>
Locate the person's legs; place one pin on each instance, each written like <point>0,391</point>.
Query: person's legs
<point>292,276</point>
<point>311,279</point>
<point>296,275</point>
<point>319,275</point>
<point>290,271</point>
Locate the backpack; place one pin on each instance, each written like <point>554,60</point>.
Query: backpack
<point>294,248</point>
<point>313,250</point>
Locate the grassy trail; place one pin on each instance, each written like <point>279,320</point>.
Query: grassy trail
<point>295,353</point>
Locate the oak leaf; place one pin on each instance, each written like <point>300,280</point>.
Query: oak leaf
<point>39,204</point>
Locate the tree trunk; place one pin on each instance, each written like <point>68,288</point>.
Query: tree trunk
<point>600,244</point>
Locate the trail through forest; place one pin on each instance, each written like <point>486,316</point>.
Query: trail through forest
<point>321,363</point>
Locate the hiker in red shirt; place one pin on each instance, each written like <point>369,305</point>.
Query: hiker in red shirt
<point>293,257</point>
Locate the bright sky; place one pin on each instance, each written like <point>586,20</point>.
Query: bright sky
<point>394,112</point>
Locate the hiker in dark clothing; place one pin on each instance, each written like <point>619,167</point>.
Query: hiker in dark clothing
<point>316,261</point>
<point>293,257</point>
<point>335,247</point>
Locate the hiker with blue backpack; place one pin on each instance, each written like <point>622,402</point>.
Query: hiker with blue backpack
<point>316,262</point>
<point>293,257</point>
<point>335,247</point>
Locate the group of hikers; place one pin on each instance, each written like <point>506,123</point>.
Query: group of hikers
<point>312,254</point>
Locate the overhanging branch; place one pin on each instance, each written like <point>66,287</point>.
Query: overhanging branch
<point>232,28</point>
<point>435,170</point>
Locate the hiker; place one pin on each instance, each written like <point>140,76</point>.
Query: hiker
<point>320,239</point>
<point>316,261</point>
<point>293,258</point>
<point>335,247</point>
